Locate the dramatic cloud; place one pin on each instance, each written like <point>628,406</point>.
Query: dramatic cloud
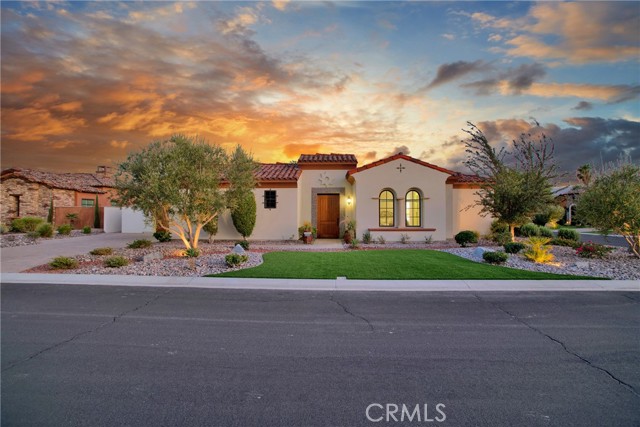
<point>397,150</point>
<point>582,32</point>
<point>456,70</point>
<point>583,105</point>
<point>512,81</point>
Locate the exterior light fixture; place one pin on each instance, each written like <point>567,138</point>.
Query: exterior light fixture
<point>349,201</point>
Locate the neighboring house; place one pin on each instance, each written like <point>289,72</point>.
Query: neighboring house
<point>567,197</point>
<point>28,192</point>
<point>390,197</point>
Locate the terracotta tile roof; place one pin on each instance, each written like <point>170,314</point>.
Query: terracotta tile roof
<point>82,182</point>
<point>278,172</point>
<point>328,158</point>
<point>460,178</point>
<point>396,157</point>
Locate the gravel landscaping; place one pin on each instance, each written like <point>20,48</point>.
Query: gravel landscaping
<point>9,240</point>
<point>165,259</point>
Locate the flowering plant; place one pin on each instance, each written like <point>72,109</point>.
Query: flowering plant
<point>592,250</point>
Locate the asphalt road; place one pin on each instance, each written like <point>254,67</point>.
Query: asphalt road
<point>116,356</point>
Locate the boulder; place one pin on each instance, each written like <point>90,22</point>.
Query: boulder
<point>237,249</point>
<point>477,252</point>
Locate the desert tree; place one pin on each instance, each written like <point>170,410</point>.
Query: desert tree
<point>179,183</point>
<point>611,203</point>
<point>515,184</point>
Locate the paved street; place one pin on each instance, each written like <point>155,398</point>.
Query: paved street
<point>109,356</point>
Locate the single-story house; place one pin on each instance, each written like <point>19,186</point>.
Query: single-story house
<point>29,192</point>
<point>390,197</point>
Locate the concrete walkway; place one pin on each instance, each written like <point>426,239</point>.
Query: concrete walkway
<point>339,284</point>
<point>21,258</point>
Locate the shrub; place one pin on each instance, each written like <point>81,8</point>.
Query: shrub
<point>592,250</point>
<point>140,244</point>
<point>428,239</point>
<point>45,230</point>
<point>381,240</point>
<point>233,260</point>
<point>162,236</point>
<point>495,257</point>
<point>86,230</point>
<point>513,247</point>
<point>26,224</point>
<point>33,235</point>
<point>65,229</point>
<point>366,237</point>
<point>101,251</point>
<point>538,250</point>
<point>244,215</point>
<point>529,230</point>
<point>498,226</point>
<point>540,219</point>
<point>404,238</point>
<point>501,238</point>
<point>566,233</point>
<point>3,228</point>
<point>545,232</point>
<point>192,253</point>
<point>244,244</point>
<point>465,237</point>
<point>211,228</point>
<point>355,244</point>
<point>63,263</point>
<point>565,242</point>
<point>116,261</point>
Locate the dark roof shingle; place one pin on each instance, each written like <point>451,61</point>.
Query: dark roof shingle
<point>278,172</point>
<point>327,158</point>
<point>82,182</point>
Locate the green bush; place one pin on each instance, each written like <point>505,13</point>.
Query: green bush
<point>565,233</point>
<point>540,219</point>
<point>244,244</point>
<point>86,230</point>
<point>244,215</point>
<point>101,251</point>
<point>233,260</point>
<point>501,238</point>
<point>565,242</point>
<point>45,230</point>
<point>592,250</point>
<point>65,229</point>
<point>3,228</point>
<point>495,257</point>
<point>116,261</point>
<point>63,263</point>
<point>538,250</point>
<point>381,240</point>
<point>162,236</point>
<point>529,230</point>
<point>355,244</point>
<point>404,238</point>
<point>545,232</point>
<point>513,247</point>
<point>366,237</point>
<point>498,226</point>
<point>465,237</point>
<point>140,244</point>
<point>211,228</point>
<point>26,224</point>
<point>192,253</point>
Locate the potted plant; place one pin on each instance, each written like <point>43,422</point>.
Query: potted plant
<point>307,232</point>
<point>349,230</point>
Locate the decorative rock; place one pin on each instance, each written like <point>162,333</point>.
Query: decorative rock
<point>151,256</point>
<point>582,264</point>
<point>477,252</point>
<point>237,249</point>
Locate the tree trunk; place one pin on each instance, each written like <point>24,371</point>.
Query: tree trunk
<point>512,230</point>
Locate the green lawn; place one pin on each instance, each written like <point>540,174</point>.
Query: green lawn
<point>400,264</point>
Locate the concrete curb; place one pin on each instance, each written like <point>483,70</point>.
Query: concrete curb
<point>339,284</point>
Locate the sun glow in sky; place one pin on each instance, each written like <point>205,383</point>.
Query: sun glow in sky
<point>84,83</point>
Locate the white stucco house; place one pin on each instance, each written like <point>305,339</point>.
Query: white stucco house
<point>390,197</point>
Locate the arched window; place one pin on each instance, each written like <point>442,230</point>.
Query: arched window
<point>386,204</point>
<point>412,209</point>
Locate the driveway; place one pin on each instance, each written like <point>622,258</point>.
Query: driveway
<point>110,356</point>
<point>20,258</point>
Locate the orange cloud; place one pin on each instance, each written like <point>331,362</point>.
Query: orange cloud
<point>293,151</point>
<point>30,124</point>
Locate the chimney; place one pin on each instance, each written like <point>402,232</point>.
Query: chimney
<point>104,171</point>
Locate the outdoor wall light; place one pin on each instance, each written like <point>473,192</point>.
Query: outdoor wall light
<point>349,200</point>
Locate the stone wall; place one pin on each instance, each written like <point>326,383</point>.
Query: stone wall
<point>34,199</point>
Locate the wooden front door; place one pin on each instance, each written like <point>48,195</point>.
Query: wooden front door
<point>328,216</point>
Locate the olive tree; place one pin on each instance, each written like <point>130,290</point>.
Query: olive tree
<point>179,183</point>
<point>515,185</point>
<point>611,203</point>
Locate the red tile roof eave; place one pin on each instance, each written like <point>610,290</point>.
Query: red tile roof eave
<point>396,157</point>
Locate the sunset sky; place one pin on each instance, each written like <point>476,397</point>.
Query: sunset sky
<point>85,83</point>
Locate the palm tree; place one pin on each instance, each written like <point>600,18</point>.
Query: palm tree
<point>584,174</point>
